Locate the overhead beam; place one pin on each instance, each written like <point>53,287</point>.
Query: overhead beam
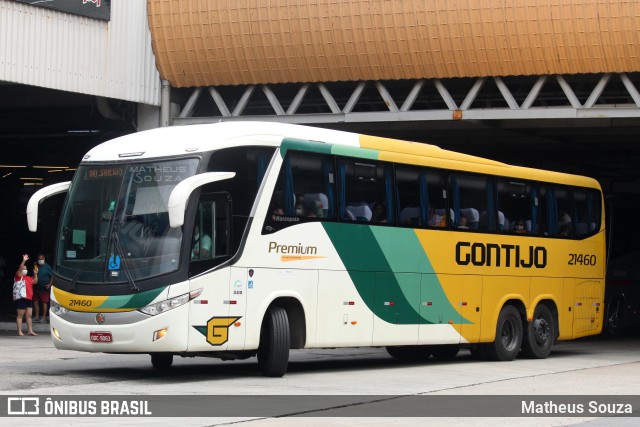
<point>427,99</point>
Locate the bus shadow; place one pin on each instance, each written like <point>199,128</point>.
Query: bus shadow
<point>321,361</point>
<point>200,370</point>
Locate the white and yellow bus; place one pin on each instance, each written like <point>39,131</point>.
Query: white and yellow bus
<point>239,239</point>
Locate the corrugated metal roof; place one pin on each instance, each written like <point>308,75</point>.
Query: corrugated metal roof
<point>219,42</point>
<point>57,50</point>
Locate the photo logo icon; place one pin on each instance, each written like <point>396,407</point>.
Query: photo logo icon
<point>23,406</point>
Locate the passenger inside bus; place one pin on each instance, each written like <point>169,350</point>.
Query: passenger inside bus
<point>317,201</point>
<point>313,209</point>
<point>564,224</point>
<point>437,218</point>
<point>379,214</point>
<point>502,222</point>
<point>358,211</point>
<point>472,218</point>
<point>520,227</point>
<point>564,230</point>
<point>201,248</point>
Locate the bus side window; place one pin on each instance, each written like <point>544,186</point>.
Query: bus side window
<point>304,192</point>
<point>556,211</point>
<point>422,197</point>
<point>472,194</point>
<point>407,185</point>
<point>211,230</point>
<point>366,191</point>
<point>517,210</point>
<point>588,210</point>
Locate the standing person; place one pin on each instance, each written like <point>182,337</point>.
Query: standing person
<point>24,305</point>
<point>42,289</point>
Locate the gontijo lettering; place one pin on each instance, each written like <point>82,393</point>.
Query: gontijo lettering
<point>298,249</point>
<point>504,255</point>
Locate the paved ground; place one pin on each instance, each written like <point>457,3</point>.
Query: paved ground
<point>8,323</point>
<point>593,366</point>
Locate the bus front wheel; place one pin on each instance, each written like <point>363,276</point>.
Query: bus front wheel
<point>161,361</point>
<point>540,335</point>
<point>508,336</point>
<point>273,351</point>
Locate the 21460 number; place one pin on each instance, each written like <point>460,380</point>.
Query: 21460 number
<point>582,259</point>
<point>80,302</point>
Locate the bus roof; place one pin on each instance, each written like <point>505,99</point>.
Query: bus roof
<point>192,139</point>
<point>180,140</point>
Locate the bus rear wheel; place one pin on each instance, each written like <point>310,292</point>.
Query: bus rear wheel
<point>161,361</point>
<point>541,333</point>
<point>273,352</point>
<point>508,336</point>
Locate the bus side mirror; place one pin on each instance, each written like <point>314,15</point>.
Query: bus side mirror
<point>181,192</point>
<point>40,195</point>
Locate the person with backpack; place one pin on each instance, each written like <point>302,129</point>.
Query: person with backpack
<point>23,295</point>
<point>41,289</point>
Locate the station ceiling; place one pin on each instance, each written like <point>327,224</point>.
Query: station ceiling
<point>42,127</point>
<point>47,132</point>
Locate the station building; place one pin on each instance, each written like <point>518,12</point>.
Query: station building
<point>550,84</point>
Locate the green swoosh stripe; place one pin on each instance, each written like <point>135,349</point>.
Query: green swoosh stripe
<point>392,273</point>
<point>132,301</point>
<point>322,148</point>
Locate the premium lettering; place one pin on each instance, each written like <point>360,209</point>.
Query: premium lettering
<point>494,255</point>
<point>292,249</point>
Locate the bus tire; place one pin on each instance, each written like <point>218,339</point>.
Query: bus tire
<point>408,352</point>
<point>508,336</point>
<point>540,334</point>
<point>161,361</point>
<point>273,351</point>
<point>445,351</point>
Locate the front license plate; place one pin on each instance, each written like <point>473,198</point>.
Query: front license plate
<point>100,336</point>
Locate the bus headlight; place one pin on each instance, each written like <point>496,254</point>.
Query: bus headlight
<point>57,309</point>
<point>169,304</point>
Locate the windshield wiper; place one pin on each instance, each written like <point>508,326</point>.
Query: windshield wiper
<point>127,274</point>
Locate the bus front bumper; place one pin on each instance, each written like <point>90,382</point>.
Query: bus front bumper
<point>121,332</point>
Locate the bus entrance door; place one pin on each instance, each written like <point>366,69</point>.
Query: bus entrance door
<point>209,312</point>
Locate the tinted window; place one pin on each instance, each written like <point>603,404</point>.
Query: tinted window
<point>516,207</point>
<point>305,191</point>
<point>469,200</point>
<point>422,197</point>
<point>366,190</point>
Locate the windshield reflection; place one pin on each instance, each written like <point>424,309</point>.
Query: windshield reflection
<point>115,225</point>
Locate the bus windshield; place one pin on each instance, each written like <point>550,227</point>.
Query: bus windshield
<point>115,225</point>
